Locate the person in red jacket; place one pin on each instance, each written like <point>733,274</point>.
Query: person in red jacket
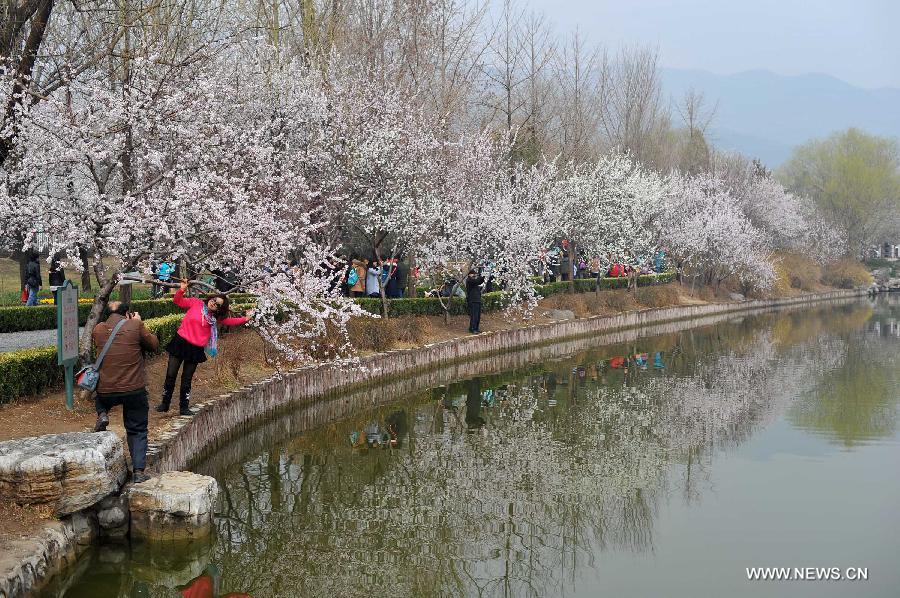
<point>197,337</point>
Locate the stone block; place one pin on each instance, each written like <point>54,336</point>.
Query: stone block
<point>175,506</point>
<point>70,471</point>
<point>113,516</point>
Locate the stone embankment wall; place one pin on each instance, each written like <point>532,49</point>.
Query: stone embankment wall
<point>185,440</point>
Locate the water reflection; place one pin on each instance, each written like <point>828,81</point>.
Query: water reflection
<point>145,570</point>
<point>521,483</point>
<point>857,402</point>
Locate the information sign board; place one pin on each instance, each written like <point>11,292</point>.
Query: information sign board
<point>67,335</point>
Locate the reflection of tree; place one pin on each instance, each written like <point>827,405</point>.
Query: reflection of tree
<point>570,462</point>
<point>858,402</point>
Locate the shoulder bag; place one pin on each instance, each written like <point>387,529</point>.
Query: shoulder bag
<point>89,376</point>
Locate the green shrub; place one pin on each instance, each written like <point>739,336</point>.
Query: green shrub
<point>38,317</point>
<point>164,328</point>
<point>27,372</point>
<point>553,288</point>
<point>43,317</point>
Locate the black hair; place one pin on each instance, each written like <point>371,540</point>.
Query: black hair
<point>223,310</point>
<point>122,309</point>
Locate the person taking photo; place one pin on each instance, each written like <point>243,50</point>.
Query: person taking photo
<point>123,379</point>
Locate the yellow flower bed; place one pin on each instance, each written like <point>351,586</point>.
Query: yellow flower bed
<point>49,301</point>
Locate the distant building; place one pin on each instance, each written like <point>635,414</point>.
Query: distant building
<point>889,251</point>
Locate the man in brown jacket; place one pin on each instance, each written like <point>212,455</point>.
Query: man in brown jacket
<point>123,380</point>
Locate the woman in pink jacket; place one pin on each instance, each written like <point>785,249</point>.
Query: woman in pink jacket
<point>197,337</point>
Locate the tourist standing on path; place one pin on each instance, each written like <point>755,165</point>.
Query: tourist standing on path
<point>373,274</point>
<point>473,299</point>
<point>196,338</point>
<point>56,277</point>
<point>164,272</point>
<point>123,379</point>
<point>32,279</point>
<point>356,277</point>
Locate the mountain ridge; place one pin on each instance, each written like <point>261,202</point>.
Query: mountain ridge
<point>764,114</point>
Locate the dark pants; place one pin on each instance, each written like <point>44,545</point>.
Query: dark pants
<point>187,375</point>
<point>135,411</point>
<point>474,317</point>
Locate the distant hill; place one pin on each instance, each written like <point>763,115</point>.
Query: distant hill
<point>765,115</point>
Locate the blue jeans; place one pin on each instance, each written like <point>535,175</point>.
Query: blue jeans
<point>32,295</point>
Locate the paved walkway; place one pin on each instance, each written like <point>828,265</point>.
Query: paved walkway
<point>13,341</point>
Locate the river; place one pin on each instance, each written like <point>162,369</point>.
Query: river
<point>665,465</point>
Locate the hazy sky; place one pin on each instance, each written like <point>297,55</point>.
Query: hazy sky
<point>855,40</point>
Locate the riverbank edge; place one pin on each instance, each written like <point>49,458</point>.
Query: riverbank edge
<point>32,562</point>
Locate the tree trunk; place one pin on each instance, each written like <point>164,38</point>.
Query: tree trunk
<point>24,71</point>
<point>384,301</point>
<point>449,302</point>
<point>100,301</point>
<point>85,271</point>
<point>410,281</point>
<point>22,258</point>
<point>571,264</point>
<point>106,281</point>
<point>381,284</point>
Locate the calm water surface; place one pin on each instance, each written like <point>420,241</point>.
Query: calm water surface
<point>664,466</point>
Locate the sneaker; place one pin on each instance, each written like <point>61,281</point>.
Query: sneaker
<point>161,408</point>
<point>102,422</point>
<point>186,411</point>
<point>139,476</point>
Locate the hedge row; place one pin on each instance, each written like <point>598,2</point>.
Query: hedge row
<point>431,306</point>
<point>30,371</point>
<point>43,317</point>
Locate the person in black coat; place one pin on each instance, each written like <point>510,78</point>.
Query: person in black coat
<point>473,405</point>
<point>473,299</point>
<point>33,279</point>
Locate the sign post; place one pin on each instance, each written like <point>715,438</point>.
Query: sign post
<point>126,279</point>
<point>67,335</point>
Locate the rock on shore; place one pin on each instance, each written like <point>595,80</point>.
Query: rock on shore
<point>70,471</point>
<point>177,505</point>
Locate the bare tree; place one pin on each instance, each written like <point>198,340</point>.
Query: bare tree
<point>578,99</point>
<point>503,70</point>
<point>694,155</point>
<point>631,106</point>
<point>539,47</point>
